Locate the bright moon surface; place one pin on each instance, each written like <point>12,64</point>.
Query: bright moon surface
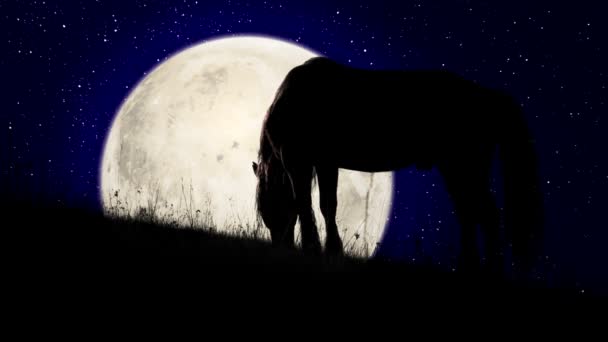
<point>181,145</point>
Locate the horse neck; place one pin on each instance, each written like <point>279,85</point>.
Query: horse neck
<point>265,145</point>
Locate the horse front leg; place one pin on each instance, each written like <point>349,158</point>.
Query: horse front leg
<point>302,178</point>
<point>328,201</point>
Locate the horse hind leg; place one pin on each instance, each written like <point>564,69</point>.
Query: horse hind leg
<point>328,201</point>
<point>490,226</point>
<point>457,183</point>
<point>475,205</point>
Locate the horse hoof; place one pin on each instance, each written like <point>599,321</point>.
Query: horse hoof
<point>313,250</point>
<point>334,250</point>
<point>469,268</point>
<point>334,253</point>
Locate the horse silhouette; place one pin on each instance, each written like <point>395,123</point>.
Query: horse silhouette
<point>326,116</point>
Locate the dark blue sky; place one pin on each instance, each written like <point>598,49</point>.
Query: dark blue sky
<point>67,66</point>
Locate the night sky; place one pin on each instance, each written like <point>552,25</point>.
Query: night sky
<point>67,66</point>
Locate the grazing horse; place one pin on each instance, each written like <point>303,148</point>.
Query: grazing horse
<point>326,116</point>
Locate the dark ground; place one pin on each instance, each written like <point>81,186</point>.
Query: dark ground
<point>67,254</point>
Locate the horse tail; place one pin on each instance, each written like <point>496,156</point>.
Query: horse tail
<point>522,195</point>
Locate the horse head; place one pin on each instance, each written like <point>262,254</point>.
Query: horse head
<point>275,201</point>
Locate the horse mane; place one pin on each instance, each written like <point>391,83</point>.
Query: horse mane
<point>270,138</point>
<point>268,154</point>
<point>268,149</point>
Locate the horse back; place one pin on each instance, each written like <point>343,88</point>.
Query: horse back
<point>385,119</point>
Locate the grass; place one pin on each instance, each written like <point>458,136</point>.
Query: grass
<point>186,213</point>
<point>64,246</point>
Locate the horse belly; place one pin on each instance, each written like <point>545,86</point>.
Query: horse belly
<point>364,150</point>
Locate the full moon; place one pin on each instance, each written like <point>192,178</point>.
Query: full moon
<point>180,148</point>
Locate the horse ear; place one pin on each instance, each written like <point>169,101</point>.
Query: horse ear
<point>255,168</point>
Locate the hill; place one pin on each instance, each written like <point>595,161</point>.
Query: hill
<point>55,248</point>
